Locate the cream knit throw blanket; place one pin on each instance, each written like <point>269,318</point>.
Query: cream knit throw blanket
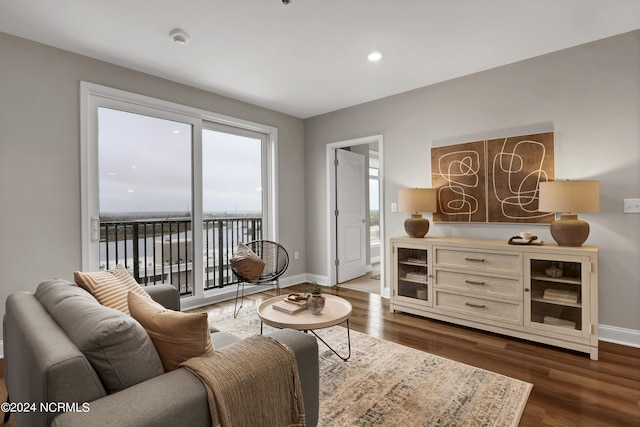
<point>253,382</point>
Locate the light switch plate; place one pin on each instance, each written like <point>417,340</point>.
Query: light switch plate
<point>631,205</point>
<point>394,207</point>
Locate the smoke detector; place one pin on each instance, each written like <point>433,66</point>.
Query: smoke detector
<point>179,37</point>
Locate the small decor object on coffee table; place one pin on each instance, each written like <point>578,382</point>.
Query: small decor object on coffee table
<point>315,300</point>
<point>292,304</point>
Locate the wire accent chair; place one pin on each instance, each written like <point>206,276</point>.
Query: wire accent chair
<point>276,261</point>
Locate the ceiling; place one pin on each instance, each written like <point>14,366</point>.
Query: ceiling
<point>310,57</point>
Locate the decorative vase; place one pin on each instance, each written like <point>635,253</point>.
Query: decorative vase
<point>315,302</point>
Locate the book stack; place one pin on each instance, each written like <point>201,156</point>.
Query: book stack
<point>290,307</point>
<point>415,276</point>
<point>549,320</point>
<point>560,295</point>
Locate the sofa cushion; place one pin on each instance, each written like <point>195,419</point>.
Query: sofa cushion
<point>110,287</point>
<point>117,346</point>
<point>177,336</point>
<point>246,263</point>
<point>223,339</point>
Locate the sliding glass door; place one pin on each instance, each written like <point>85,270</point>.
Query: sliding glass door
<point>168,192</point>
<point>145,196</point>
<point>232,196</point>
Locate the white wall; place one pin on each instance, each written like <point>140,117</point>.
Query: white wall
<point>591,93</point>
<point>40,157</point>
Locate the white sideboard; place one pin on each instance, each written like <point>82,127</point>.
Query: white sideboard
<point>547,294</point>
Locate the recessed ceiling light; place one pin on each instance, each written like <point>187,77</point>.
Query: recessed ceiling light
<point>374,56</point>
<point>179,37</point>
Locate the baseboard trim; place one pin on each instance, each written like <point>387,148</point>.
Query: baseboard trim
<point>225,294</point>
<point>320,280</point>
<point>616,335</point>
<point>293,280</point>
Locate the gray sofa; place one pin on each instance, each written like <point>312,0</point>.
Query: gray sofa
<point>42,364</point>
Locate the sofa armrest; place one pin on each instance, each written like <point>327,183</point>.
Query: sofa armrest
<point>164,294</point>
<point>174,399</point>
<point>305,347</point>
<point>43,364</point>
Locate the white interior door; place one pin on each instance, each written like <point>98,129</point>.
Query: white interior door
<point>351,216</point>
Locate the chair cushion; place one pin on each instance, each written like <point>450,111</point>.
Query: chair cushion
<point>110,287</point>
<point>177,336</point>
<point>246,263</point>
<point>117,346</point>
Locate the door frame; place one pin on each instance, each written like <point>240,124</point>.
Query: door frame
<point>331,206</point>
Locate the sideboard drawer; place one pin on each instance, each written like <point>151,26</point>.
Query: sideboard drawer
<point>494,262</point>
<point>484,285</point>
<point>480,307</point>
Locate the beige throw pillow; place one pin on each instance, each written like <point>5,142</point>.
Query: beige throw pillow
<point>177,336</point>
<point>110,287</point>
<point>246,263</point>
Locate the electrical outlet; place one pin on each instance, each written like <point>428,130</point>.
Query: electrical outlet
<point>631,205</point>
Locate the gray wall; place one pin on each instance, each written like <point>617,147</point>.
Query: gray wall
<point>40,157</point>
<point>591,93</point>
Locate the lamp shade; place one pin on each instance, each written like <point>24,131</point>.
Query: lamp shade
<point>417,200</point>
<point>569,196</point>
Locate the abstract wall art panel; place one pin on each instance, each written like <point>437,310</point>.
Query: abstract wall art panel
<point>493,180</point>
<point>516,166</point>
<point>458,172</point>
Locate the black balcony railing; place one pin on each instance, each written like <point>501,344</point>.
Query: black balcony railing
<point>161,250</point>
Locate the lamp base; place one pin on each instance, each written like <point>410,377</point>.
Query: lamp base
<point>569,230</point>
<point>416,226</point>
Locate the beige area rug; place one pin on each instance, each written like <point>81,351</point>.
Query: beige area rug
<point>386,384</point>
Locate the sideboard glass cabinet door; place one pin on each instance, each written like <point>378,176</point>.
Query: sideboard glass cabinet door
<point>558,297</point>
<point>413,274</point>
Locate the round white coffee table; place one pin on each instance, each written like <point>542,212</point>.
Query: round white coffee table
<point>336,311</point>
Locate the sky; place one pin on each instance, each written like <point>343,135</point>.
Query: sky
<point>145,166</point>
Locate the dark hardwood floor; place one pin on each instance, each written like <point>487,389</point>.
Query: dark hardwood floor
<point>569,389</point>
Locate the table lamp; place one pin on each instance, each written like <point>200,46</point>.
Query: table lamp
<point>416,201</point>
<point>569,197</point>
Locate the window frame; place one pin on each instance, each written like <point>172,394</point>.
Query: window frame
<point>93,96</point>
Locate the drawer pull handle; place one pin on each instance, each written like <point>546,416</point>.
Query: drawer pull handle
<point>474,259</point>
<point>474,282</point>
<point>470,304</point>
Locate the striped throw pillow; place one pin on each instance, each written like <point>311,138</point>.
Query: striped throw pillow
<point>110,287</point>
